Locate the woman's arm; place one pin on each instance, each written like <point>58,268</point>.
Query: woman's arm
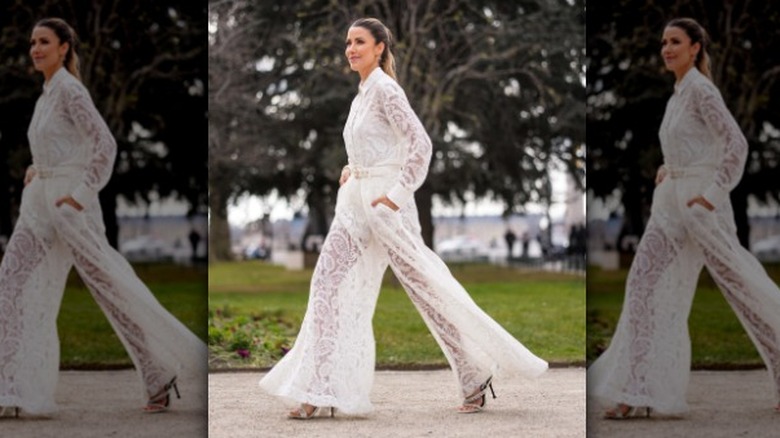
<point>102,144</point>
<point>419,149</point>
<point>722,125</point>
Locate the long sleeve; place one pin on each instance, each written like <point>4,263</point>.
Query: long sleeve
<point>102,145</point>
<point>725,129</point>
<point>418,146</point>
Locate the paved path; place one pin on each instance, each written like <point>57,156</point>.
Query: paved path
<point>108,404</point>
<point>408,404</point>
<point>722,404</point>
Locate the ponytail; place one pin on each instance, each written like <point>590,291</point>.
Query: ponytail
<point>387,62</point>
<point>703,63</point>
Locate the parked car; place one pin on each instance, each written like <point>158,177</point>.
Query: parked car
<point>146,248</point>
<point>462,249</point>
<point>767,249</point>
<point>257,252</point>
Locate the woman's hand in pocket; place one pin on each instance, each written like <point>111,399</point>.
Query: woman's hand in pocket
<point>70,201</point>
<point>386,201</point>
<point>701,201</point>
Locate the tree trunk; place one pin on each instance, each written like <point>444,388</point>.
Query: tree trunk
<point>424,199</point>
<point>317,223</point>
<point>219,228</point>
<point>6,223</point>
<point>107,198</point>
<point>633,224</point>
<point>739,198</point>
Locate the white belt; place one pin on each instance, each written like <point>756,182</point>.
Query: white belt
<point>678,172</point>
<point>45,172</point>
<point>361,172</point>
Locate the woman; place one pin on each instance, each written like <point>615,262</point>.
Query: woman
<point>60,226</point>
<point>376,224</point>
<point>691,225</point>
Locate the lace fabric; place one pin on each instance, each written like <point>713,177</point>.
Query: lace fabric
<point>332,361</point>
<point>73,154</point>
<point>648,360</point>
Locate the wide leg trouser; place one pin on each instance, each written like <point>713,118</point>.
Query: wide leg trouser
<point>47,241</point>
<point>648,360</point>
<point>332,361</point>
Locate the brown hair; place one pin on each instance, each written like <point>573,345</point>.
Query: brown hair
<point>697,34</point>
<point>66,34</point>
<point>381,34</point>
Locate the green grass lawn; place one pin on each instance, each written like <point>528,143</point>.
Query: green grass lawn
<point>265,304</point>
<point>717,337</point>
<point>87,339</point>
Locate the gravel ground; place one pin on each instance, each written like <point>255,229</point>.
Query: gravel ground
<point>722,404</point>
<point>108,404</point>
<point>408,404</point>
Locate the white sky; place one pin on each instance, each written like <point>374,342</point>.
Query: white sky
<point>250,208</point>
<point>600,208</point>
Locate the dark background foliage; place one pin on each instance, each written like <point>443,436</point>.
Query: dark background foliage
<point>145,66</point>
<point>628,88</point>
<point>497,84</point>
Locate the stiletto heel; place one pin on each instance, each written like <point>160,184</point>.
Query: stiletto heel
<point>5,411</point>
<point>302,413</point>
<point>161,401</point>
<point>624,412</point>
<point>470,406</point>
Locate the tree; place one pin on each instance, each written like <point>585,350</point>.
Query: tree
<point>628,88</point>
<point>144,64</point>
<point>498,92</point>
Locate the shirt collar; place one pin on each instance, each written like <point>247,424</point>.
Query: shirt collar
<point>372,79</point>
<point>690,76</point>
<point>55,79</point>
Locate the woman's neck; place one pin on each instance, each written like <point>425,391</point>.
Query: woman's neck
<point>680,75</point>
<point>47,75</point>
<point>366,73</point>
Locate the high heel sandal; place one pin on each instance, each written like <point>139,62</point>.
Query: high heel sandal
<point>5,411</point>
<point>470,406</point>
<point>161,401</point>
<point>302,413</point>
<point>624,412</point>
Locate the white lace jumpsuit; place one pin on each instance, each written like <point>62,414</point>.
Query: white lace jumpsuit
<point>648,360</point>
<point>73,154</point>
<point>332,361</point>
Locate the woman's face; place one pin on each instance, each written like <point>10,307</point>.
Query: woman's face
<point>362,51</point>
<point>46,51</point>
<point>678,52</point>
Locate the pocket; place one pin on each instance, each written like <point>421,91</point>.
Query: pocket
<point>72,208</point>
<point>702,208</point>
<point>387,207</point>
